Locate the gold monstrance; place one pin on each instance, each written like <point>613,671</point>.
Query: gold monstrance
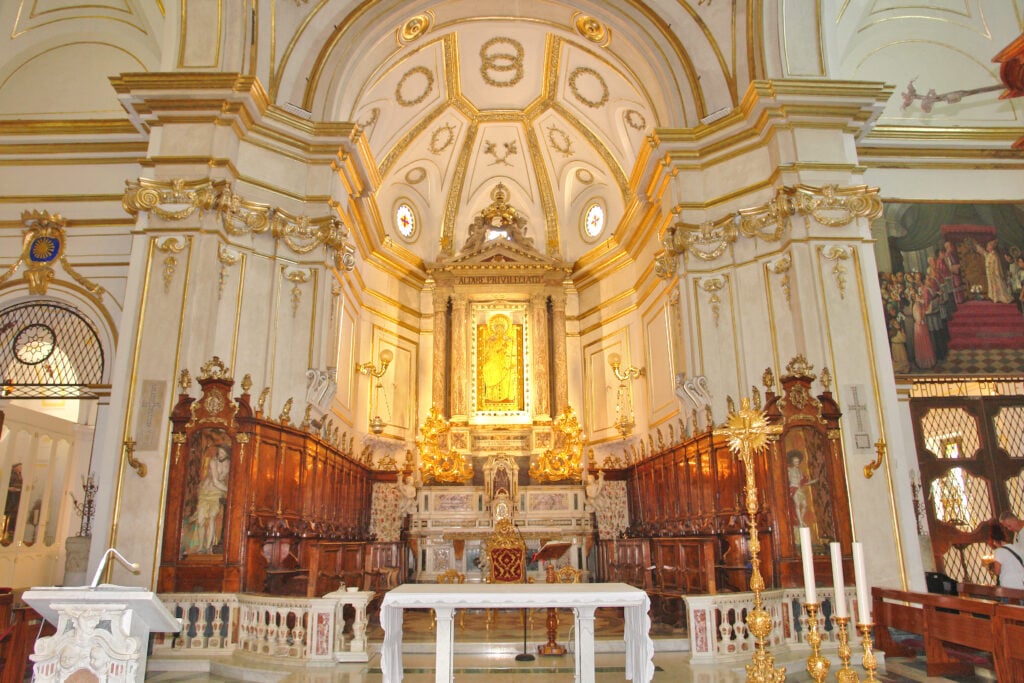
<point>748,432</point>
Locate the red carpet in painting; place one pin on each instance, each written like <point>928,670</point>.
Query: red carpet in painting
<point>986,325</point>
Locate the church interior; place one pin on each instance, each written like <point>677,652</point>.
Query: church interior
<point>307,298</point>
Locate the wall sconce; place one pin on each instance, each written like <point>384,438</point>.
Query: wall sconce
<point>368,368</point>
<point>624,420</point>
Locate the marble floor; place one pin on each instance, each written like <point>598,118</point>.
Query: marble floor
<point>487,655</point>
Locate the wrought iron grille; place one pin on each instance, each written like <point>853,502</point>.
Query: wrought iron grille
<point>48,350</point>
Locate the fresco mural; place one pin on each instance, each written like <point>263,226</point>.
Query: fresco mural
<point>952,285</point>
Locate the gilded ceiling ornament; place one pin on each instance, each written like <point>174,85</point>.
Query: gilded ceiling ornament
<point>502,63</point>
<point>415,27</point>
<point>565,460</point>
<point>634,119</point>
<point>574,77</point>
<point>560,140</point>
<point>227,258</point>
<point>171,200</point>
<point>584,176</point>
<point>837,254</point>
<point>427,74</point>
<point>442,138</point>
<point>712,286</point>
<point>511,149</point>
<point>781,267</point>
<point>590,28</point>
<point>415,175</point>
<point>170,247</point>
<point>437,465</point>
<point>371,122</point>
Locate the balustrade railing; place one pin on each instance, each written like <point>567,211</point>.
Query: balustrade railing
<point>301,629</point>
<point>718,628</point>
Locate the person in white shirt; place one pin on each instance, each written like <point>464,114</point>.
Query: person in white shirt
<point>1008,564</point>
<point>1013,525</point>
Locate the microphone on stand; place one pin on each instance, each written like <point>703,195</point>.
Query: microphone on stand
<point>133,566</point>
<point>524,656</point>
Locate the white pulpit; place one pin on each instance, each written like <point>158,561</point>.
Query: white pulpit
<point>103,631</point>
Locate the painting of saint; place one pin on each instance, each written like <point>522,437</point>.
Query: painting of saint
<point>206,493</point>
<point>499,364</point>
<point>810,504</point>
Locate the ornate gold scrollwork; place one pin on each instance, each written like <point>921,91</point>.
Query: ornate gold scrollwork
<point>436,465</point>
<point>43,245</point>
<point>179,199</point>
<point>829,205</point>
<point>565,460</point>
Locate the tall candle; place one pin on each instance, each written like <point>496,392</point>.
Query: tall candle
<point>837,579</point>
<point>863,590</point>
<point>806,552</point>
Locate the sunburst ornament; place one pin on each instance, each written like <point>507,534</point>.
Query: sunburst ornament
<point>747,430</point>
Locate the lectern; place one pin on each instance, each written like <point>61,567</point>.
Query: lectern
<point>102,633</point>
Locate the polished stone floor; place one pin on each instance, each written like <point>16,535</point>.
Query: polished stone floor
<point>487,655</point>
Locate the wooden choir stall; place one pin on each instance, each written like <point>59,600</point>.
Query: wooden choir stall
<point>688,528</point>
<point>260,506</point>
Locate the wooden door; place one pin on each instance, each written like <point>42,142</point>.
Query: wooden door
<point>971,456</point>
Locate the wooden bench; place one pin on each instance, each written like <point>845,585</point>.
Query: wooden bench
<point>943,620</point>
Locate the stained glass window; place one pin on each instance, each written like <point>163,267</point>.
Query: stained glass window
<point>405,221</point>
<point>593,222</point>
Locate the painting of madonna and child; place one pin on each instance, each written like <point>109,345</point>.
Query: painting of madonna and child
<point>952,284</point>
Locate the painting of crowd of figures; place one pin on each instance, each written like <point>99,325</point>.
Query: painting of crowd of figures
<point>952,284</point>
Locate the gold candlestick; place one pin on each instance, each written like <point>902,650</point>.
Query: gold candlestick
<point>870,663</point>
<point>845,673</point>
<point>817,665</point>
<point>748,432</point>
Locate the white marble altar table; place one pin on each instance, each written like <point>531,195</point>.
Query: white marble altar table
<point>582,598</point>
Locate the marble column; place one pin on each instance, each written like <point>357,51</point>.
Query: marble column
<point>439,380</point>
<point>539,350</point>
<point>561,398</point>
<point>459,371</point>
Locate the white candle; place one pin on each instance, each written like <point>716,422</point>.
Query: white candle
<point>863,590</point>
<point>837,579</point>
<point>806,552</point>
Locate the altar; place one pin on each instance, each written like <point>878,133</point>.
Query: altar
<point>582,598</point>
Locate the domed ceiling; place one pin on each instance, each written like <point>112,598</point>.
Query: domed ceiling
<point>555,106</point>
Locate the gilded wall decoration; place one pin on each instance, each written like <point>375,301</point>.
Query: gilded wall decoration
<point>499,365</point>
<point>837,254</point>
<point>227,258</point>
<point>439,466</point>
<point>428,86</point>
<point>511,149</point>
<point>574,87</point>
<point>560,141</point>
<point>301,234</point>
<point>781,268</point>
<point>500,67</point>
<point>829,205</point>
<point>565,460</point>
<point>951,277</point>
<point>442,138</point>
<point>296,277</point>
<point>369,124</point>
<point>43,244</point>
<point>170,247</point>
<point>712,286</point>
